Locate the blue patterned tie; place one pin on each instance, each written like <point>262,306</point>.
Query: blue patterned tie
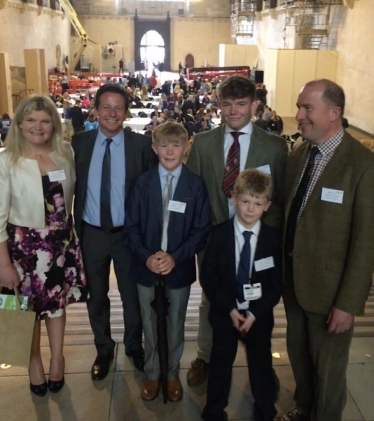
<point>242,277</point>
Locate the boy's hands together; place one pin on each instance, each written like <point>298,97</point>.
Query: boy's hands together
<point>152,263</point>
<point>237,318</point>
<point>161,263</point>
<point>240,322</point>
<point>249,320</point>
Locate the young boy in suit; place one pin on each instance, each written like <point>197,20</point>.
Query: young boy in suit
<point>241,277</point>
<point>167,223</point>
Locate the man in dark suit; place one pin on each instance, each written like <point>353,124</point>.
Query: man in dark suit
<point>77,117</point>
<point>188,105</point>
<point>329,256</point>
<point>211,154</point>
<point>107,160</point>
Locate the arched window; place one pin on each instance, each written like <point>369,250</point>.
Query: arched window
<point>152,48</point>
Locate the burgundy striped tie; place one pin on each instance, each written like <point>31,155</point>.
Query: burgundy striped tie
<point>232,165</point>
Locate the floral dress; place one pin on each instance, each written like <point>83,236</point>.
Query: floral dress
<point>49,260</point>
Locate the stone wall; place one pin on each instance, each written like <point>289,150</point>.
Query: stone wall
<point>351,32</point>
<point>192,8</point>
<point>199,37</point>
<point>356,64</point>
<point>25,26</point>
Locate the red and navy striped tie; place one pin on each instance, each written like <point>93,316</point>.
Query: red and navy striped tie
<point>232,165</point>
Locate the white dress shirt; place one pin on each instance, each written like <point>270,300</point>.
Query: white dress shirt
<point>239,243</point>
<point>244,141</point>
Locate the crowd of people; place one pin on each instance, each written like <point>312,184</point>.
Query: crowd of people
<point>264,224</point>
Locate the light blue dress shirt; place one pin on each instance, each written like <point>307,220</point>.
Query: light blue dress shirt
<point>163,172</point>
<point>91,213</point>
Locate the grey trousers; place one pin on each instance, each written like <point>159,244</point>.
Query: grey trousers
<point>175,321</point>
<point>319,360</point>
<point>99,249</point>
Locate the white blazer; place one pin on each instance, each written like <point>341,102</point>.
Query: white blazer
<point>21,191</point>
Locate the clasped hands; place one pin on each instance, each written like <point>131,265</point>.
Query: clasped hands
<point>161,263</point>
<point>240,322</point>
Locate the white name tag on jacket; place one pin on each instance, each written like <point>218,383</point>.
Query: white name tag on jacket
<point>252,292</point>
<point>58,175</point>
<point>264,264</point>
<point>265,169</point>
<point>332,195</point>
<point>175,206</point>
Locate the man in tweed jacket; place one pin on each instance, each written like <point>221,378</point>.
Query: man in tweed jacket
<point>329,258</point>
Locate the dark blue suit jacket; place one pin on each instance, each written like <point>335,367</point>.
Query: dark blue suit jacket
<point>218,271</point>
<point>187,232</point>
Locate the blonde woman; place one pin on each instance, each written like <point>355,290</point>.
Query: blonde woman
<point>144,93</point>
<point>39,252</point>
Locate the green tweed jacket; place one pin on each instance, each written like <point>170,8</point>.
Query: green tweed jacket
<point>333,258</point>
<point>206,159</point>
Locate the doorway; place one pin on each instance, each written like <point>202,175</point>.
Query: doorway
<point>152,49</point>
<point>190,61</point>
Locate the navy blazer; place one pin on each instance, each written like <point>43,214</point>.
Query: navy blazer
<point>218,271</point>
<point>187,232</point>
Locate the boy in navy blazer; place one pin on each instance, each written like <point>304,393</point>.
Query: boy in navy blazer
<point>167,223</point>
<point>241,277</point>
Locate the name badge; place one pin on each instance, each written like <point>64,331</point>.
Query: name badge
<point>264,264</point>
<point>58,175</point>
<point>332,195</point>
<point>175,206</point>
<point>252,292</point>
<point>265,169</point>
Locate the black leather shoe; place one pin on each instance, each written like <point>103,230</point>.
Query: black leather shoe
<point>100,368</point>
<point>56,386</point>
<point>137,356</point>
<point>40,389</point>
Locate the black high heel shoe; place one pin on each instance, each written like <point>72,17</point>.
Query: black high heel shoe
<point>40,389</point>
<point>56,386</point>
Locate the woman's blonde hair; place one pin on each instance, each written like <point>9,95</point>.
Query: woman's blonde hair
<point>15,142</point>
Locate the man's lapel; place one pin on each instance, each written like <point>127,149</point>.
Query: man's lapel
<point>89,145</point>
<point>294,173</point>
<point>130,156</point>
<point>217,153</point>
<point>155,192</point>
<point>337,162</point>
<point>218,160</point>
<point>255,149</point>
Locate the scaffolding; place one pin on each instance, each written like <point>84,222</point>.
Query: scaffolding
<point>242,21</point>
<point>309,21</point>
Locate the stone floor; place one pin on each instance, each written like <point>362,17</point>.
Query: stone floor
<point>117,398</point>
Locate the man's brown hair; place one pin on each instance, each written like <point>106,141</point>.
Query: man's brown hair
<point>237,87</point>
